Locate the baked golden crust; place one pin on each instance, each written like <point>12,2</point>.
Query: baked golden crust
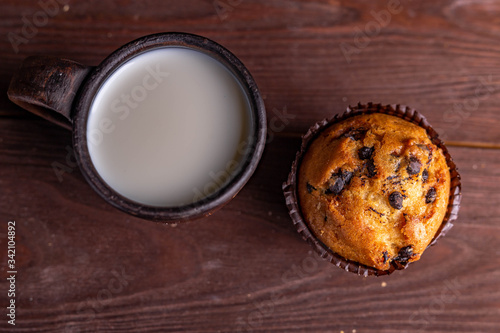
<point>374,189</point>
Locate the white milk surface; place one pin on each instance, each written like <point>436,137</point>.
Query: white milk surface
<point>169,127</point>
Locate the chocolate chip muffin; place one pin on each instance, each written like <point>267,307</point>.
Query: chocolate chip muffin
<point>374,189</point>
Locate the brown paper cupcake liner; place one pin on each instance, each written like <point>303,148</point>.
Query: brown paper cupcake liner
<point>290,186</point>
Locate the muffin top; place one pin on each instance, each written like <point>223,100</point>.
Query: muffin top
<point>374,189</point>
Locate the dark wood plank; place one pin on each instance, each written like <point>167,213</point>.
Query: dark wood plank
<point>438,57</point>
<point>84,266</point>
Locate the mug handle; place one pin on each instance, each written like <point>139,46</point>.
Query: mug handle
<point>47,86</point>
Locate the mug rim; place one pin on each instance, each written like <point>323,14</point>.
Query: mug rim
<point>94,81</point>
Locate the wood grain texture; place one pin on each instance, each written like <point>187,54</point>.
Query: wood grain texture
<point>433,56</point>
<point>86,267</point>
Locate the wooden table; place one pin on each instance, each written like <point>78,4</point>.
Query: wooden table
<point>83,266</point>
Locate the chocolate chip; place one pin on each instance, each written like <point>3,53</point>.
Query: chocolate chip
<point>355,134</point>
<point>396,200</point>
<point>338,181</point>
<point>365,153</point>
<point>346,176</point>
<point>413,166</point>
<point>370,167</point>
<point>386,256</point>
<point>431,196</point>
<point>425,175</point>
<point>337,186</point>
<point>404,254</point>
<point>310,188</point>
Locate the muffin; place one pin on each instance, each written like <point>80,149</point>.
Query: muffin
<point>372,188</point>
